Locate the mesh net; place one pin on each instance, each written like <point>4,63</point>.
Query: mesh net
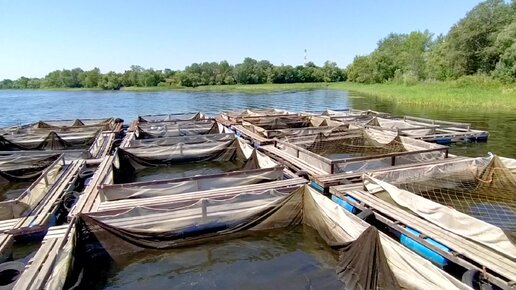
<point>484,189</point>
<point>175,129</point>
<point>48,140</point>
<point>283,126</point>
<point>198,116</point>
<point>19,167</point>
<point>356,143</point>
<point>359,149</point>
<point>183,160</point>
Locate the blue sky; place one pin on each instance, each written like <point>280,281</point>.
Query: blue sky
<point>37,37</point>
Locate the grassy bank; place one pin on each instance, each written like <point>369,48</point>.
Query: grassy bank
<point>467,94</point>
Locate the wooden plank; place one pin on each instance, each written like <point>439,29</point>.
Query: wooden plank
<point>292,160</point>
<point>91,192</point>
<point>46,267</point>
<point>6,243</point>
<point>253,136</point>
<point>40,214</point>
<point>127,140</point>
<point>494,261</point>
<point>27,278</point>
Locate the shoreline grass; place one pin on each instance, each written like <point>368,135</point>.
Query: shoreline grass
<point>453,94</point>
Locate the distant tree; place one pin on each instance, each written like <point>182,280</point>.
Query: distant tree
<point>91,78</point>
<point>111,81</point>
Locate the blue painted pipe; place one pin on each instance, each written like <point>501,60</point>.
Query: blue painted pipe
<point>427,253</point>
<point>346,205</point>
<point>316,186</point>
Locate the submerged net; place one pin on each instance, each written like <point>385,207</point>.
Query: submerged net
<point>173,117</point>
<point>175,129</point>
<point>48,141</point>
<point>19,167</point>
<point>183,160</point>
<point>483,188</point>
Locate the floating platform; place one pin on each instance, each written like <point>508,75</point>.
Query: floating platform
<point>204,173</point>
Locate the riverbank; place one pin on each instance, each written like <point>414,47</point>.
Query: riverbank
<point>470,93</point>
<point>454,94</point>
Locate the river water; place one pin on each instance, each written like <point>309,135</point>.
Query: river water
<point>19,107</point>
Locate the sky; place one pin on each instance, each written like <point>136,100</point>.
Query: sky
<point>37,37</point>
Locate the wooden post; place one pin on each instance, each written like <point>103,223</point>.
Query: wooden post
<point>204,206</point>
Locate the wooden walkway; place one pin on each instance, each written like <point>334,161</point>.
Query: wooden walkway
<point>42,265</point>
<point>37,220</point>
<point>501,270</point>
<point>253,137</point>
<point>292,162</point>
<point>89,199</point>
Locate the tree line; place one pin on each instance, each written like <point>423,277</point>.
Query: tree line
<point>250,71</point>
<point>482,43</point>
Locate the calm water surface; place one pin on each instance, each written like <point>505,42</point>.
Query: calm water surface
<point>279,259</point>
<point>20,107</point>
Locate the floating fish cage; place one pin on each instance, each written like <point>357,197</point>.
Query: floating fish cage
<point>112,240</point>
<point>78,139</point>
<point>352,116</point>
<point>197,116</point>
<point>429,130</point>
<point>185,192</point>
<point>39,172</point>
<point>166,129</point>
<point>284,126</point>
<point>465,205</point>
<point>483,188</point>
<point>108,124</point>
<point>359,150</point>
<point>232,118</point>
<point>192,139</point>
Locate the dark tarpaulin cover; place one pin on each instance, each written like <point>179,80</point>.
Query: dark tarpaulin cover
<point>362,263</point>
<point>51,142</point>
<point>29,170</point>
